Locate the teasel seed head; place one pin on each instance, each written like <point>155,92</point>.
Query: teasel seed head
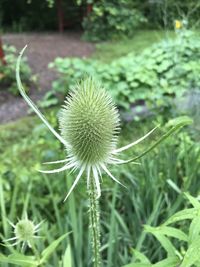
<point>89,123</point>
<point>24,230</point>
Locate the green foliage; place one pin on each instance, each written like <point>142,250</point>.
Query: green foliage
<point>32,261</point>
<point>107,19</point>
<point>153,193</point>
<point>186,253</point>
<point>23,16</point>
<point>159,74</point>
<point>163,13</point>
<point>150,196</point>
<point>7,71</point>
<point>18,259</point>
<point>112,18</point>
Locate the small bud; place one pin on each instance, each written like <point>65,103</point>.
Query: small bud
<point>24,230</point>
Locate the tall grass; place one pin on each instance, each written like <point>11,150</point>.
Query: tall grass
<point>154,192</point>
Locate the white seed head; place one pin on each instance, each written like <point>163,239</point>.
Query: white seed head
<point>89,123</point>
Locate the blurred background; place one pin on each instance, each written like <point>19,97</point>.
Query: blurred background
<point>147,55</point>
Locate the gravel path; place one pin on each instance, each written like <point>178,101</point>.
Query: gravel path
<point>42,49</point>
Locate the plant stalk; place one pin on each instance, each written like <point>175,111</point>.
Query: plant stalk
<point>94,224</point>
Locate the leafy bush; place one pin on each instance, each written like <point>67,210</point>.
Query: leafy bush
<point>159,74</point>
<point>162,13</point>
<point>7,71</point>
<point>23,16</point>
<point>112,18</point>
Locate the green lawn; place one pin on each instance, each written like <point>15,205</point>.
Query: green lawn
<point>111,50</point>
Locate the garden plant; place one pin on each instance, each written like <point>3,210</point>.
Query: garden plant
<point>117,185</point>
<point>7,79</point>
<point>89,124</point>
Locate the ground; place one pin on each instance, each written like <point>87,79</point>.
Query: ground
<point>45,47</point>
<point>42,49</point>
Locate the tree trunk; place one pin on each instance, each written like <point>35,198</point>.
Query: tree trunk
<point>60,16</point>
<point>2,53</point>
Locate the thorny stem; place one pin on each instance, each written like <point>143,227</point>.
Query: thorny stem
<point>94,224</point>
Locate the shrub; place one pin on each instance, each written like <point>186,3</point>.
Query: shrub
<point>162,72</point>
<point>7,72</point>
<point>112,18</point>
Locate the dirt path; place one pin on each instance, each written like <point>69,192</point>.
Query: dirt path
<point>42,49</point>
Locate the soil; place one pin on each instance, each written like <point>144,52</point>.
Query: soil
<point>42,49</point>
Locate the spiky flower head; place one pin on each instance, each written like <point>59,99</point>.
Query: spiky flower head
<point>25,231</point>
<point>89,123</point>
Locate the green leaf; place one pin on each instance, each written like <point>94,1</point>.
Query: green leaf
<point>19,259</point>
<point>50,249</point>
<point>168,231</point>
<point>182,215</point>
<point>165,242</point>
<point>174,186</point>
<point>140,256</point>
<point>67,261</point>
<point>194,230</point>
<point>138,265</point>
<point>192,254</point>
<point>193,201</point>
<point>169,262</point>
<point>179,120</point>
<point>177,124</point>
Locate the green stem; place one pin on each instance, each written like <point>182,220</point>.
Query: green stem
<point>35,251</point>
<point>94,224</point>
<point>3,208</point>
